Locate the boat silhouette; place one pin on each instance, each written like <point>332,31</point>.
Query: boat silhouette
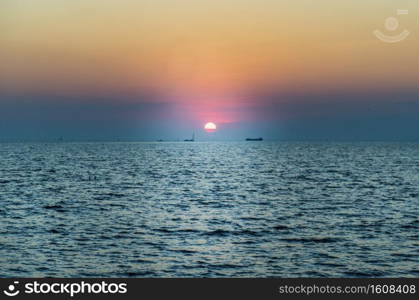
<point>254,139</point>
<point>190,140</point>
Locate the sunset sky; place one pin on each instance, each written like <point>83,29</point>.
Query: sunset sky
<point>151,69</point>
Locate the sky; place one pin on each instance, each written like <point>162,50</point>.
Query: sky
<point>161,69</point>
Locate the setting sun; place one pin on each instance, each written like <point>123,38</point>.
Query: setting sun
<point>210,127</point>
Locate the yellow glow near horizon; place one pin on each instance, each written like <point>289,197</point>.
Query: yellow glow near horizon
<point>210,127</point>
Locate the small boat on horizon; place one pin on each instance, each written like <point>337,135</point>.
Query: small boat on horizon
<point>190,140</point>
<point>254,139</point>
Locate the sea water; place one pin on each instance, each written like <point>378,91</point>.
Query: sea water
<point>209,209</point>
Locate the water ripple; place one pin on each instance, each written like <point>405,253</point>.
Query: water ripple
<point>209,209</point>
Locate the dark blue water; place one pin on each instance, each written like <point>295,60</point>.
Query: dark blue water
<point>252,209</point>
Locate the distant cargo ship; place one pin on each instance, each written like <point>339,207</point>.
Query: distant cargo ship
<point>254,140</point>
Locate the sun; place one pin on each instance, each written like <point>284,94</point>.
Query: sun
<point>210,127</point>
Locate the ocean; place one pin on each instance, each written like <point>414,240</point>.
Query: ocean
<point>209,209</point>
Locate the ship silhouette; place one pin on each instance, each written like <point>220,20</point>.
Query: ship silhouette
<point>254,139</point>
<point>190,140</point>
